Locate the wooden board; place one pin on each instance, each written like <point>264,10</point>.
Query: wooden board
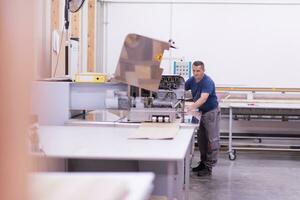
<point>76,33</point>
<point>155,131</point>
<point>91,35</point>
<point>75,24</point>
<point>55,14</point>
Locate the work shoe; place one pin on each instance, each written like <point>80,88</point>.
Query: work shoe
<point>200,167</point>
<point>205,172</point>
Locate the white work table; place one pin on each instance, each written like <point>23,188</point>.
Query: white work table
<point>110,143</point>
<point>91,186</point>
<point>168,159</point>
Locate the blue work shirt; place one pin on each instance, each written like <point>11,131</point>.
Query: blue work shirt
<point>206,85</point>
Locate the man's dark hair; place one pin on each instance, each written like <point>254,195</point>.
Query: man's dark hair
<point>199,63</point>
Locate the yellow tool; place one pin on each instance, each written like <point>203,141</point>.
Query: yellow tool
<point>91,78</point>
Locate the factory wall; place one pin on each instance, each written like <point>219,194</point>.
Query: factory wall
<point>252,43</point>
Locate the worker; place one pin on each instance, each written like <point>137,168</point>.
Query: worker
<point>205,100</point>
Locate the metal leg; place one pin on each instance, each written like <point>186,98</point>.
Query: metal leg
<point>230,131</point>
<point>192,148</point>
<point>231,151</point>
<point>187,166</point>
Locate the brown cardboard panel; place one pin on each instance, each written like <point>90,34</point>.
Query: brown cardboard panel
<point>143,71</point>
<point>141,56</point>
<point>155,131</point>
<point>131,77</point>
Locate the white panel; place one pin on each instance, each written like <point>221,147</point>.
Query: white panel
<point>74,58</point>
<point>152,20</point>
<point>50,102</point>
<point>255,45</point>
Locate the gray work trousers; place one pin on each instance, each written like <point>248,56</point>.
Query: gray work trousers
<point>208,137</point>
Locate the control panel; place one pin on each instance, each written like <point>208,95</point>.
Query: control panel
<point>183,69</point>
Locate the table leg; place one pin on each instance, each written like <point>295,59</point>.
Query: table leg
<point>231,151</point>
<point>230,131</point>
<point>187,165</point>
<point>171,172</point>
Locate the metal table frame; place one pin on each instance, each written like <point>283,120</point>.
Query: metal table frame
<point>285,108</point>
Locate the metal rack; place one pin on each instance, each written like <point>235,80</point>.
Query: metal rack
<point>236,111</point>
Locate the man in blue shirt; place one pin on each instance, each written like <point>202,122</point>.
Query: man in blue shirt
<point>205,100</point>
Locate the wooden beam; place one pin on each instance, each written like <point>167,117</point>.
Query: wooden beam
<point>91,35</point>
<point>257,89</point>
<point>55,15</point>
<point>57,66</point>
<point>75,24</point>
<point>76,33</point>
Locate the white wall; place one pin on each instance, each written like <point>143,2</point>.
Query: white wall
<point>254,43</point>
<point>150,20</point>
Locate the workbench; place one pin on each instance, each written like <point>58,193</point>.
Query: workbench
<point>106,147</point>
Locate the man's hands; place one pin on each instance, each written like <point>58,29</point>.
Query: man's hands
<point>191,107</point>
<point>198,103</point>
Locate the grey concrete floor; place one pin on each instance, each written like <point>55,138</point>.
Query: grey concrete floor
<point>252,176</point>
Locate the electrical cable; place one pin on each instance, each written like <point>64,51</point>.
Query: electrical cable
<point>63,29</point>
<point>78,8</point>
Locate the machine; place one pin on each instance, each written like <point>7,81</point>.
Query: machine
<point>163,106</point>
